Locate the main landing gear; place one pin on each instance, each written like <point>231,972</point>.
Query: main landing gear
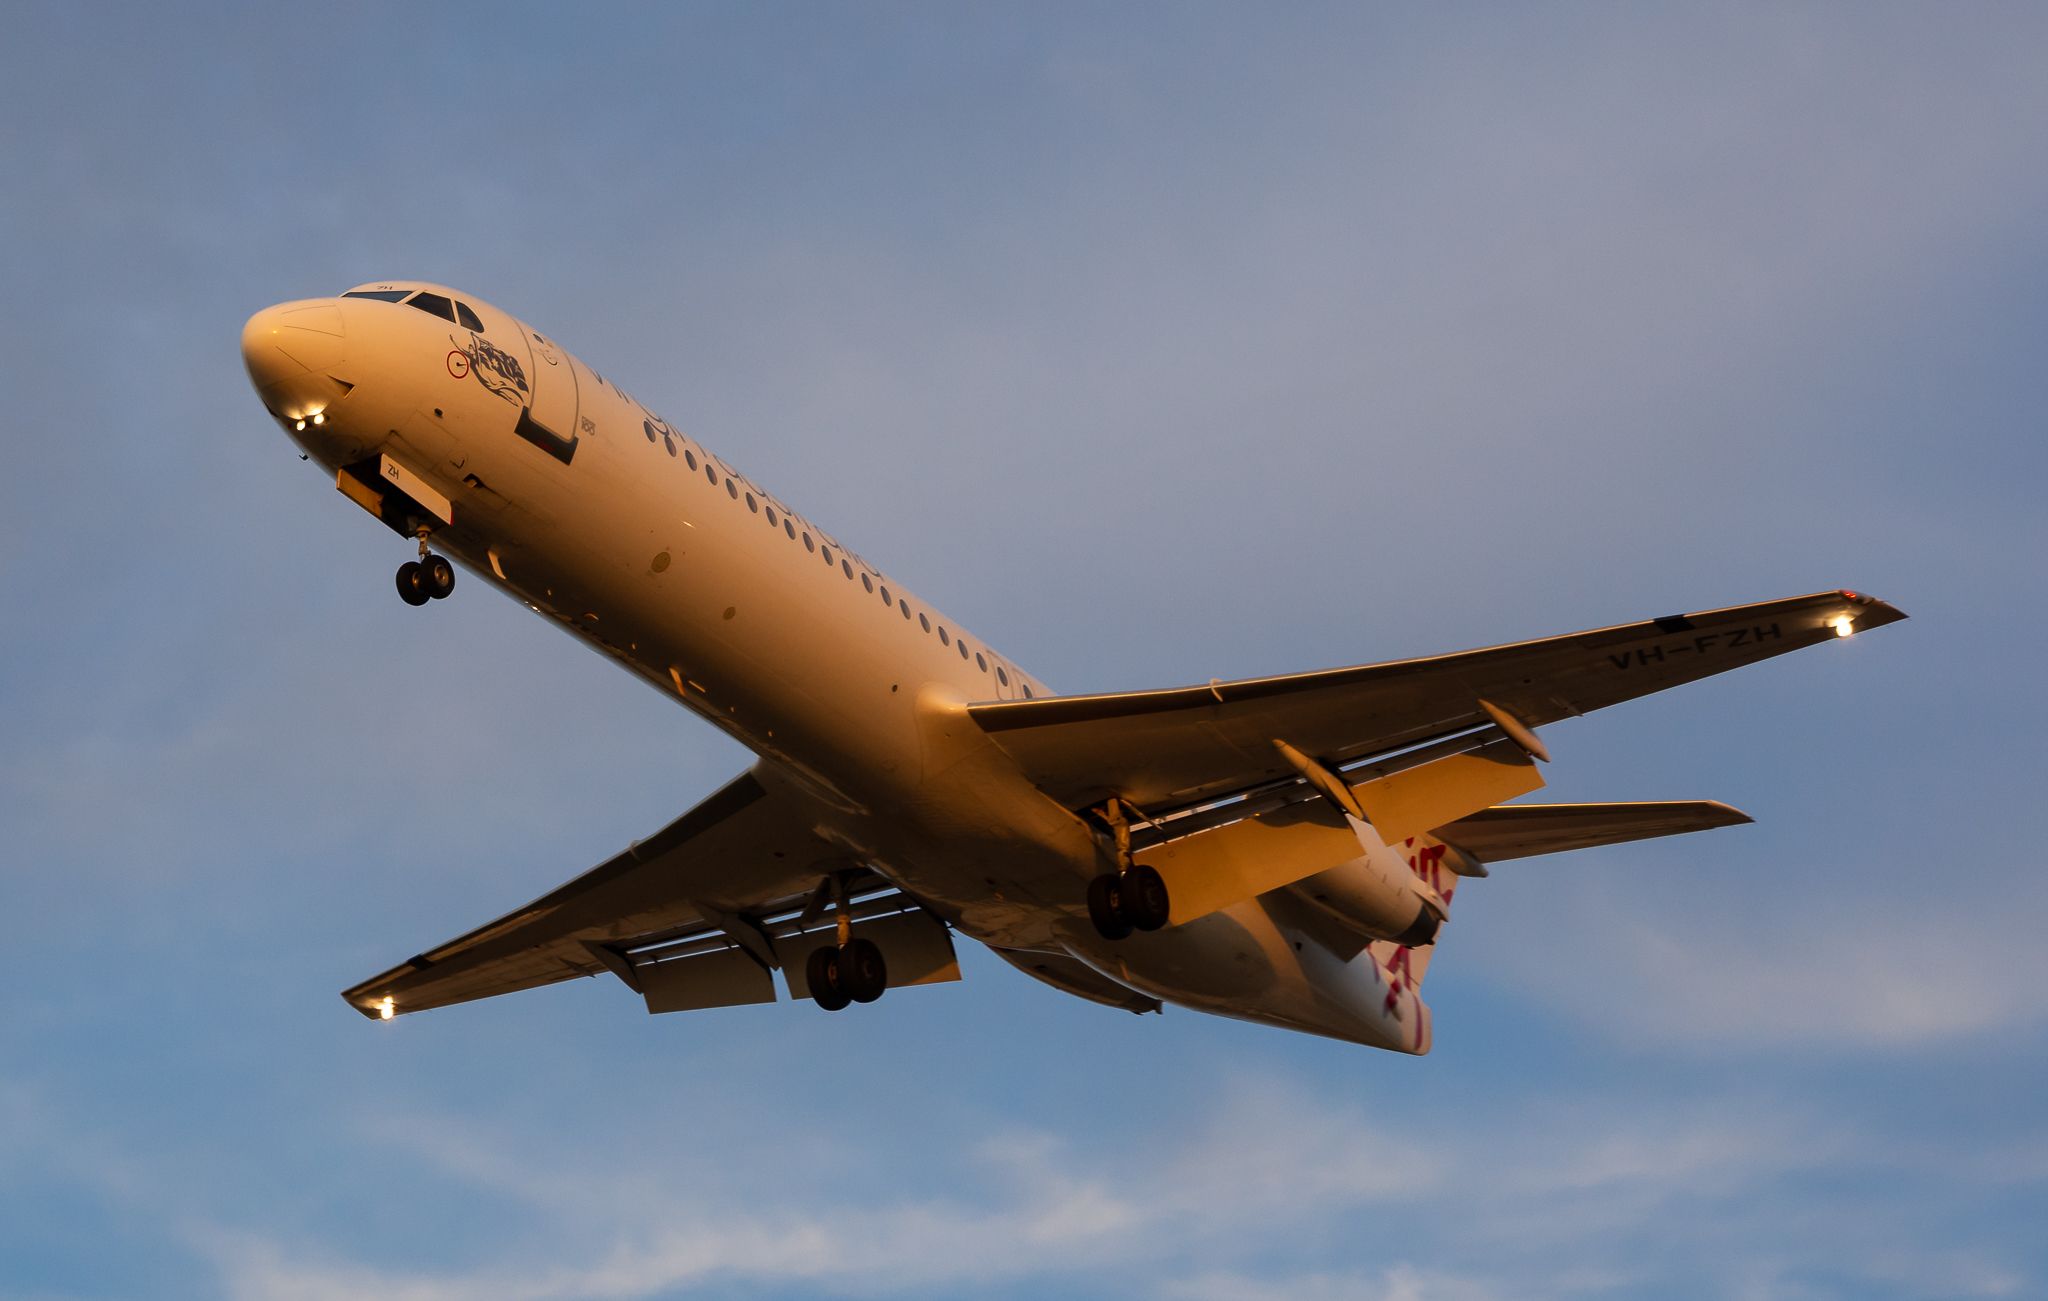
<point>1122,902</point>
<point>1133,899</point>
<point>429,578</point>
<point>852,972</point>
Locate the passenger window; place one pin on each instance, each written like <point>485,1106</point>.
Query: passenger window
<point>691,457</point>
<point>869,583</point>
<point>1002,676</point>
<point>711,474</point>
<point>433,305</point>
<point>1027,691</point>
<point>846,569</point>
<point>381,295</point>
<point>808,544</point>
<point>980,663</point>
<point>732,490</point>
<point>754,506</point>
<point>904,606</point>
<point>790,528</point>
<point>469,319</point>
<point>828,557</point>
<point>924,623</point>
<point>771,517</point>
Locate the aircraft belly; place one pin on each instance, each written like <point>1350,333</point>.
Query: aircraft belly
<point>1241,963</point>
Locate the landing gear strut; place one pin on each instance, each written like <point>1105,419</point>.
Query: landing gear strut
<point>1133,899</point>
<point>851,970</point>
<point>429,578</point>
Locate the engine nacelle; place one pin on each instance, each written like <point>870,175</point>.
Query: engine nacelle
<point>1376,896</point>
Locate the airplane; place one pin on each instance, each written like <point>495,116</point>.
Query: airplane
<point>1281,850</point>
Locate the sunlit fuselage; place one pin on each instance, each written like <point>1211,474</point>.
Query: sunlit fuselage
<point>593,511</point>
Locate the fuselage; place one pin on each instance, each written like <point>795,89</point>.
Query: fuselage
<point>597,513</point>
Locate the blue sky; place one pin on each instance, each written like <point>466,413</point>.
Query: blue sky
<point>1154,343</point>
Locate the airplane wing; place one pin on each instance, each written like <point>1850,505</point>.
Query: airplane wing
<point>1524,830</point>
<point>745,852</point>
<point>1171,749</point>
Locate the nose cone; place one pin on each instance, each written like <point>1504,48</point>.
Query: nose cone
<point>290,351</point>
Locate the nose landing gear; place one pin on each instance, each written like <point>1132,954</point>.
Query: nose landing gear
<point>429,578</point>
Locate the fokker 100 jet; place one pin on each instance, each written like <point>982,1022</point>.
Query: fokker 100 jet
<point>1283,850</point>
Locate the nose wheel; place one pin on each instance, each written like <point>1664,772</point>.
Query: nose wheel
<point>430,578</point>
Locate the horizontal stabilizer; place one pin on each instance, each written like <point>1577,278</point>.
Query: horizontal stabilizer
<point>1525,830</point>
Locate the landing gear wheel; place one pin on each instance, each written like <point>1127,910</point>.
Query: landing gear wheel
<point>863,971</point>
<point>438,576</point>
<point>412,585</point>
<point>1105,907</point>
<point>826,978</point>
<point>1145,905</point>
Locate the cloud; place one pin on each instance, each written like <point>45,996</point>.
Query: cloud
<point>1235,1204</point>
<point>1398,1283</point>
<point>1705,969</point>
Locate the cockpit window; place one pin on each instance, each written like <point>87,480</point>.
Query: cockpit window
<point>434,303</point>
<point>381,295</point>
<point>468,318</point>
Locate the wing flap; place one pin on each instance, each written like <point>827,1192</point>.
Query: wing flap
<point>726,978</point>
<point>1220,866</point>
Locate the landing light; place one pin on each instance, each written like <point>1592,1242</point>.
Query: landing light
<point>386,1010</point>
<point>299,425</point>
<point>319,417</point>
<point>1843,625</point>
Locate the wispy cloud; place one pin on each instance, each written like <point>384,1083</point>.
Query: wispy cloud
<point>1233,1205</point>
<point>1701,970</point>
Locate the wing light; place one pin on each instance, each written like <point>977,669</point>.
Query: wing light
<point>1843,625</point>
<point>386,1009</point>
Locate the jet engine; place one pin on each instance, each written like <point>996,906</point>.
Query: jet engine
<point>1376,896</point>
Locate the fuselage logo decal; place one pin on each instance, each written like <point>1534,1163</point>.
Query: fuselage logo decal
<point>501,374</point>
<point>497,370</point>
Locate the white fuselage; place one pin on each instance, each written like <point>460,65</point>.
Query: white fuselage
<point>599,515</point>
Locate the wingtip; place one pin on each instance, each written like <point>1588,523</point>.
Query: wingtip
<point>1730,815</point>
<point>1870,611</point>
